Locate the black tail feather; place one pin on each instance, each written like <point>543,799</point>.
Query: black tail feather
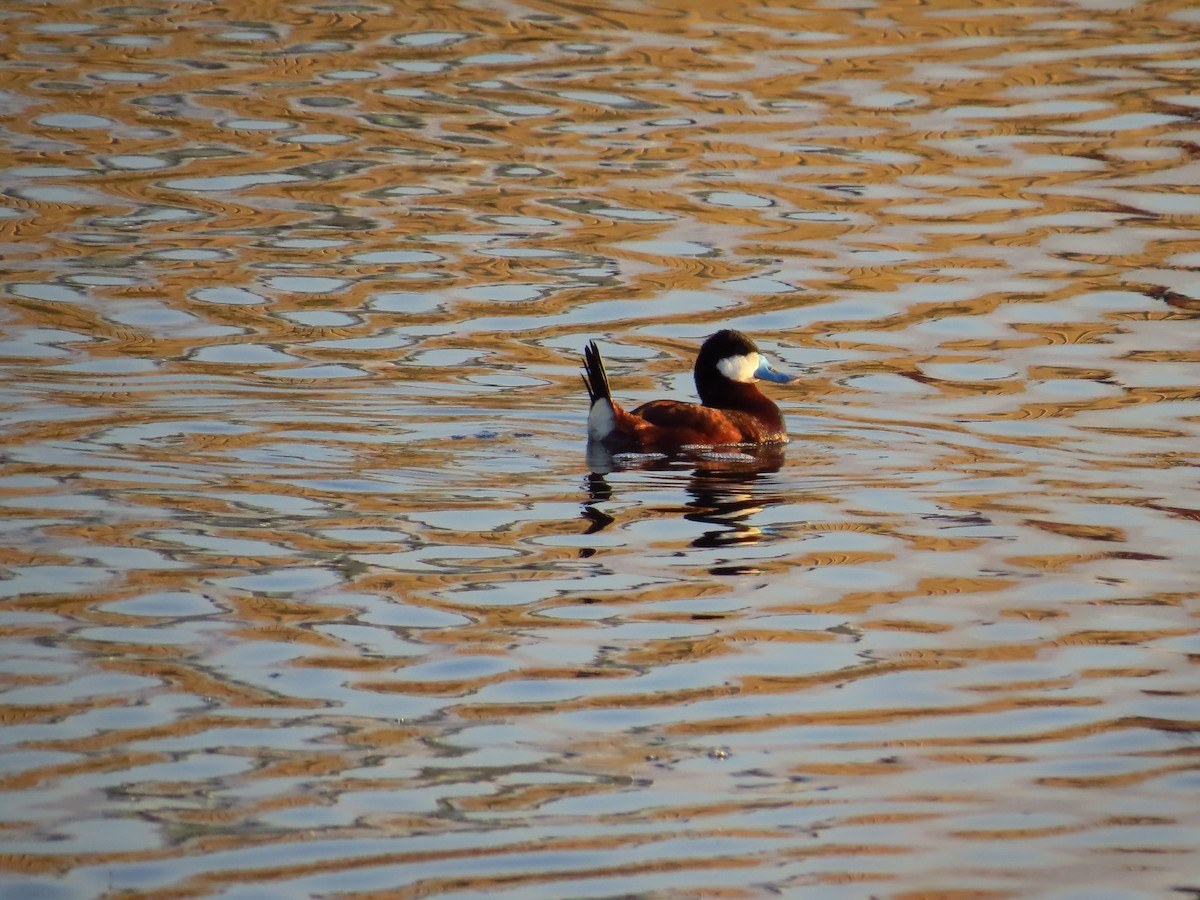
<point>595,379</point>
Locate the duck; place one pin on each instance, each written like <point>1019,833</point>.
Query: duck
<point>732,410</point>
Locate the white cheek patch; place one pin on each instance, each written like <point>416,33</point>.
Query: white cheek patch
<point>740,368</point>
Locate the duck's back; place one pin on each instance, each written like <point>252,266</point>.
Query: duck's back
<point>690,423</point>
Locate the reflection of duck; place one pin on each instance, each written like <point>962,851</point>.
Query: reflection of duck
<point>732,410</point>
<point>728,497</point>
<point>726,489</point>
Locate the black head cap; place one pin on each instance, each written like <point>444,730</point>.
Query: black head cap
<point>722,345</point>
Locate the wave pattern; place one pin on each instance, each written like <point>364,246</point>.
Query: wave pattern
<point>307,585</point>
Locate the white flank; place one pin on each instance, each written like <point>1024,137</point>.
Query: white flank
<point>601,421</point>
<point>739,368</point>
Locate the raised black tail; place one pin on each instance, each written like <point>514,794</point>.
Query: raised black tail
<point>595,379</point>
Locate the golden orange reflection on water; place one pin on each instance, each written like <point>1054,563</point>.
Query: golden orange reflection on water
<point>309,586</point>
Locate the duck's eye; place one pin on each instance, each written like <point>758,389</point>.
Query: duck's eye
<point>739,368</point>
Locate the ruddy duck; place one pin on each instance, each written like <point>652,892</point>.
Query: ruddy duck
<point>732,410</point>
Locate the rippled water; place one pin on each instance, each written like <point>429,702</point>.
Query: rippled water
<point>309,587</point>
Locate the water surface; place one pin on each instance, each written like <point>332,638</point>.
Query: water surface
<point>309,586</point>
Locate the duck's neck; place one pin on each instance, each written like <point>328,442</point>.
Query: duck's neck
<point>740,396</point>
